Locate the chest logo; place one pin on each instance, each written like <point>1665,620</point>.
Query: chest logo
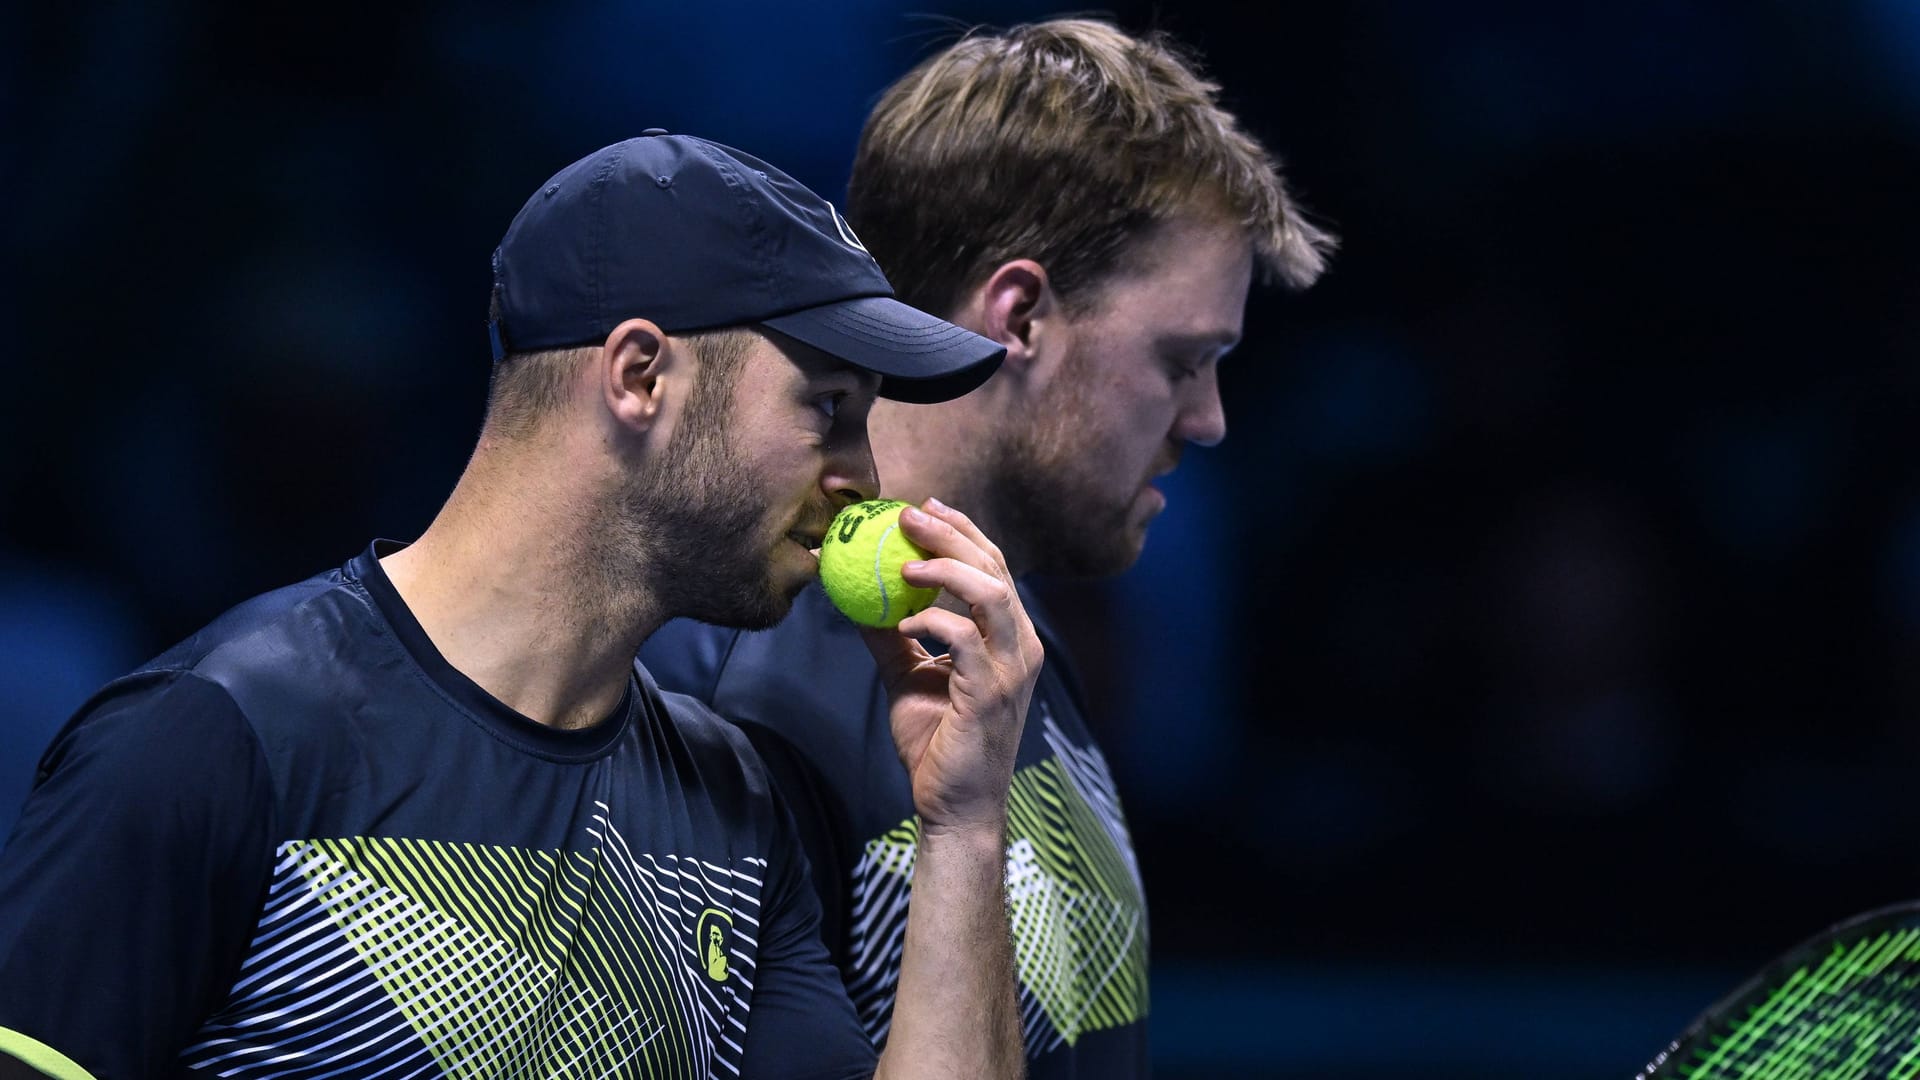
<point>713,930</point>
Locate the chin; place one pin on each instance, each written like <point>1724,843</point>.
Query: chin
<point>772,607</point>
<point>761,620</point>
<point>1090,563</point>
<point>743,607</point>
<point>1121,560</point>
<point>1119,556</point>
<point>761,616</point>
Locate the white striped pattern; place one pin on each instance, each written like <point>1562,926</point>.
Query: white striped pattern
<point>347,975</point>
<point>1073,938</point>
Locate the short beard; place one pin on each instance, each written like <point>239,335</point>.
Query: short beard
<point>1044,506</point>
<point>695,523</point>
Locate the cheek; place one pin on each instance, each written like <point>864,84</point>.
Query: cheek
<point>797,475</point>
<point>1140,421</point>
<point>1120,445</point>
<point>771,475</point>
<point>1112,427</point>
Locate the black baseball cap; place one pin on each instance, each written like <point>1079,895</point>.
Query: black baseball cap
<point>697,236</point>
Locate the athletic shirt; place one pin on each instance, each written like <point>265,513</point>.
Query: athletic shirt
<point>808,695</point>
<point>301,844</point>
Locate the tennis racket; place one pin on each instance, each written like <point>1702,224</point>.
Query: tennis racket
<point>1844,1005</point>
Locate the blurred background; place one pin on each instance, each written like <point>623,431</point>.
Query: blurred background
<point>1539,654</point>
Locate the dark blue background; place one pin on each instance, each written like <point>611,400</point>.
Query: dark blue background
<point>1538,655</point>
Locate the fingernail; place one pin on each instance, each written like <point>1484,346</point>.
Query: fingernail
<point>916,566</point>
<point>936,503</point>
<point>914,515</point>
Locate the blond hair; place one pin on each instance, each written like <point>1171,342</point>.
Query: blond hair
<point>1059,141</point>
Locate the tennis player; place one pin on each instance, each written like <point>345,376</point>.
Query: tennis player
<point>420,815</point>
<point>1079,196</point>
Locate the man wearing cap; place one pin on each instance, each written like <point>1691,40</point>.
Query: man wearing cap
<point>1078,195</point>
<point>420,816</point>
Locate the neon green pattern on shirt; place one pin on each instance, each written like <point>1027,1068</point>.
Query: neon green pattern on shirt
<point>499,961</point>
<point>1073,888</point>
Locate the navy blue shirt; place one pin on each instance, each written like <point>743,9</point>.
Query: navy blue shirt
<point>301,844</point>
<point>809,697</point>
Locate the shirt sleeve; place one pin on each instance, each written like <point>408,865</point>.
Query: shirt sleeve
<point>132,882</point>
<point>802,1026</point>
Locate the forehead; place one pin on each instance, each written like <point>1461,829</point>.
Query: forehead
<point>798,360</point>
<point>1187,276</point>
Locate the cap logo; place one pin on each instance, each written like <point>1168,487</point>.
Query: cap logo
<point>846,232</point>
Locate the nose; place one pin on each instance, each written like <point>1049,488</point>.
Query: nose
<point>850,476</point>
<point>1202,419</point>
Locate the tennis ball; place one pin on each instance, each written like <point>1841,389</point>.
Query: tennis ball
<point>860,563</point>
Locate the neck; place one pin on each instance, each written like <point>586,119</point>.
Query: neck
<point>510,586</point>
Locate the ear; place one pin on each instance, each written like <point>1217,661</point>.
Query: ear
<point>1017,308</point>
<point>633,373</point>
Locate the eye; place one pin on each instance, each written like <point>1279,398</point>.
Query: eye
<point>829,404</point>
<point>1189,361</point>
<point>1186,367</point>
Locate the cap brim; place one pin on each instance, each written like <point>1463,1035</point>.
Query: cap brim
<point>919,358</point>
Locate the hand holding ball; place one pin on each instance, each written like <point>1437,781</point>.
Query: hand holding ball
<point>860,561</point>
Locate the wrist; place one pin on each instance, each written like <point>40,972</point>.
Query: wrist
<point>983,834</point>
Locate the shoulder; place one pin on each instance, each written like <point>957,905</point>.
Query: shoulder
<point>159,738</point>
<point>808,694</point>
<point>714,751</point>
<point>289,650</point>
<point>809,678</point>
<point>686,657</point>
<point>187,705</point>
<point>268,661</point>
<point>287,631</point>
<point>811,666</point>
<point>708,736</point>
<point>245,618</point>
<point>184,728</point>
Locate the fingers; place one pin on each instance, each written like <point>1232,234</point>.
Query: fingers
<point>957,632</point>
<point>971,585</point>
<point>995,649</point>
<point>970,567</point>
<point>957,718</point>
<point>964,525</point>
<point>942,530</point>
<point>894,653</point>
<point>971,662</point>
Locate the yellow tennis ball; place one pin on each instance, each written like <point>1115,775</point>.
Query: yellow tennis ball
<point>860,563</point>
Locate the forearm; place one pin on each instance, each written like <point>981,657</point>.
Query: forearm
<point>956,1011</point>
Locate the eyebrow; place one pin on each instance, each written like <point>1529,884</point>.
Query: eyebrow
<point>1224,340</point>
<point>817,365</point>
<point>824,368</point>
<point>861,378</point>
